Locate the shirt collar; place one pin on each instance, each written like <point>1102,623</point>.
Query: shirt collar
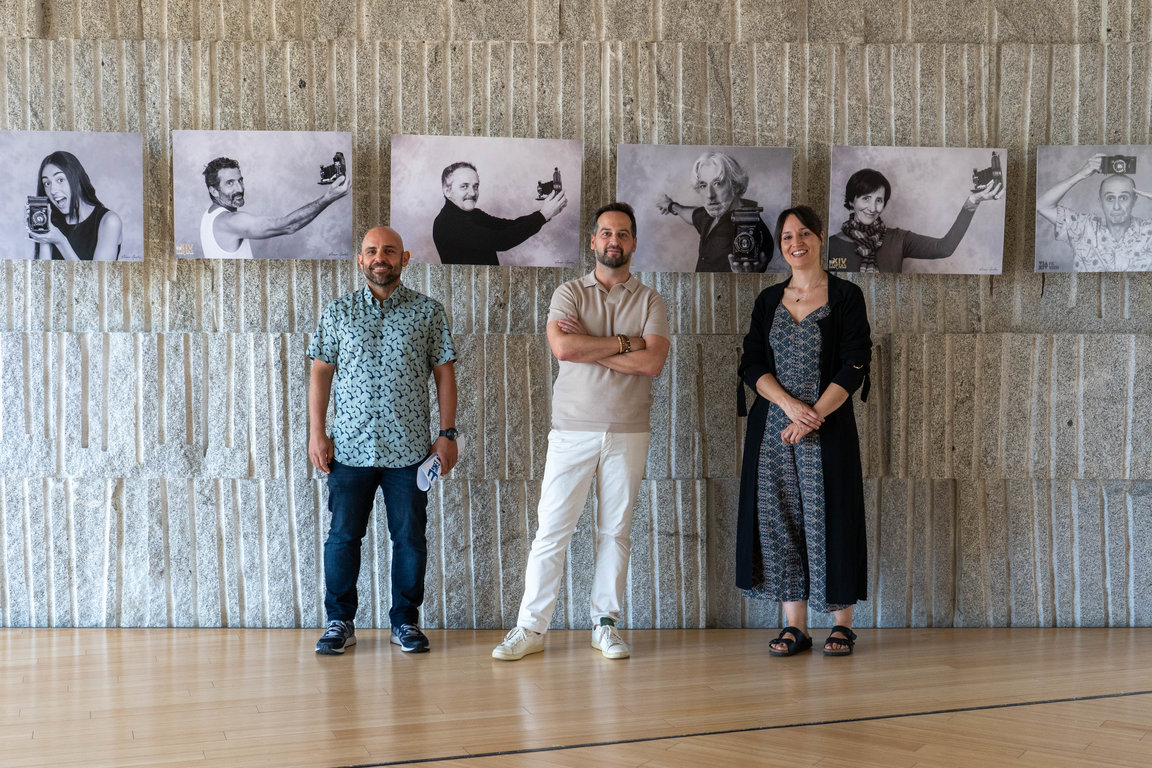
<point>398,297</point>
<point>589,281</point>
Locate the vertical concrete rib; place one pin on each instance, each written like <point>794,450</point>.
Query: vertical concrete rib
<point>5,536</point>
<point>241,558</point>
<point>1133,551</point>
<point>59,412</point>
<point>1080,426</point>
<point>1107,564</point>
<point>1075,576</point>
<point>34,618</point>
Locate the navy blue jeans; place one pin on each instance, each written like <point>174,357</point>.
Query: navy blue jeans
<point>351,491</point>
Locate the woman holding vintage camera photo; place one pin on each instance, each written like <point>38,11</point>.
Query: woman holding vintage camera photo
<point>800,532</point>
<point>78,227</point>
<point>865,243</point>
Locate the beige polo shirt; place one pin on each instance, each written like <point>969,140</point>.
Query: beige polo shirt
<point>588,397</point>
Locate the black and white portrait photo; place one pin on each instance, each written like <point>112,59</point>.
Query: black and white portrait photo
<point>487,201</point>
<point>1094,209</point>
<point>72,196</point>
<point>705,209</point>
<point>262,194</point>
<point>916,209</point>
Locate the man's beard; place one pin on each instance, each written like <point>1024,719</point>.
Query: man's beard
<point>384,280</point>
<point>612,259</point>
<point>232,203</point>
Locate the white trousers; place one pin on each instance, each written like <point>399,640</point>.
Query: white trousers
<point>616,460</point>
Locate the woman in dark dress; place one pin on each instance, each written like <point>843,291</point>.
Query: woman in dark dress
<point>866,244</point>
<point>81,228</point>
<point>800,536</point>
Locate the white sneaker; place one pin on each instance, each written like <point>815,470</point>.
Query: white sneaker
<point>518,643</point>
<point>607,640</point>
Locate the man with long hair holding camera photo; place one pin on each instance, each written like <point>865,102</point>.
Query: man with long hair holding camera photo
<point>723,216</point>
<point>1119,241</point>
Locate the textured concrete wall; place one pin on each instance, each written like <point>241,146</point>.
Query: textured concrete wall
<point>152,416</point>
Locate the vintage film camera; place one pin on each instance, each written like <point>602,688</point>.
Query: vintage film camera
<point>989,174</point>
<point>1118,164</point>
<point>545,188</point>
<point>329,173</point>
<point>748,242</point>
<point>38,216</point>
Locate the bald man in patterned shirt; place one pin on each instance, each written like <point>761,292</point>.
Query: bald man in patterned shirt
<point>376,347</point>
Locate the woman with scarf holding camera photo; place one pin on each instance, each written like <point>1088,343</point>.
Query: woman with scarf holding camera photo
<point>800,531</point>
<point>865,243</point>
<point>78,227</point>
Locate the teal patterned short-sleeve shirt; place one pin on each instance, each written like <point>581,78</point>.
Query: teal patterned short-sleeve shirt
<point>384,354</point>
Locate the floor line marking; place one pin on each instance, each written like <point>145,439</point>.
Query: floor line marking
<point>752,729</point>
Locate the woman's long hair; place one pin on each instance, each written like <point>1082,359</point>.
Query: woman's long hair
<point>77,179</point>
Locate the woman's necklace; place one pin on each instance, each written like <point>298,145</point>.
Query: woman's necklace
<point>801,294</point>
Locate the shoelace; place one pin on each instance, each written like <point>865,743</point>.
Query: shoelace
<point>335,629</point>
<point>516,637</point>
<point>611,636</point>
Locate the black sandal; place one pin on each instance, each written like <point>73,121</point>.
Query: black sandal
<point>848,640</point>
<point>792,645</point>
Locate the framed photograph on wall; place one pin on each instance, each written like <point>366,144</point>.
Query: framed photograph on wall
<point>72,196</point>
<point>262,194</point>
<point>1094,208</point>
<point>488,201</point>
<point>705,209</point>
<point>917,209</point>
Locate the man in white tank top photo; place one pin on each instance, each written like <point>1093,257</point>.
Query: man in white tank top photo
<point>226,232</point>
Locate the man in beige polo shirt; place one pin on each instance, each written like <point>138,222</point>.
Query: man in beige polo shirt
<point>610,334</point>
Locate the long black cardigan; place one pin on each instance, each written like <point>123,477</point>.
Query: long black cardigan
<point>845,354</point>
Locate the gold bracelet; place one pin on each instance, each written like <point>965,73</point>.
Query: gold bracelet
<point>625,343</point>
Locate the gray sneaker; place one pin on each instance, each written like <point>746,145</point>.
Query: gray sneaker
<point>518,643</point>
<point>338,636</point>
<point>409,638</point>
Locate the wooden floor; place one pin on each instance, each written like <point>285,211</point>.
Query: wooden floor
<point>236,698</point>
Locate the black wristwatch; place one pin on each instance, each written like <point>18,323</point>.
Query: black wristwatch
<point>449,433</point>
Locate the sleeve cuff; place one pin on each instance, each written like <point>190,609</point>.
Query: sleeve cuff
<point>851,377</point>
<point>752,375</point>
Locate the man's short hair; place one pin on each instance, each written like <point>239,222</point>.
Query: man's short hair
<point>617,207</point>
<point>808,217</point>
<point>864,181</point>
<point>447,174</point>
<point>212,170</point>
<point>730,170</point>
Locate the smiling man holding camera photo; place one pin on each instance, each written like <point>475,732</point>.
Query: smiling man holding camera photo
<point>464,234</point>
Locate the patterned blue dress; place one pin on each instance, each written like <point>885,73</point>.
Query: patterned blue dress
<point>790,484</point>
